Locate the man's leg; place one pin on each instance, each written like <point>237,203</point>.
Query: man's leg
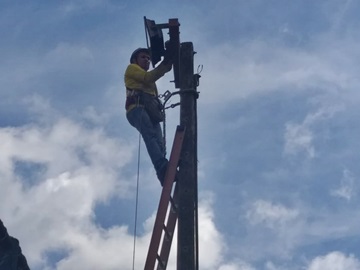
<point>152,137</point>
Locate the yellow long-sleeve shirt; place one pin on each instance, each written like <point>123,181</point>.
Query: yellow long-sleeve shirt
<point>139,79</point>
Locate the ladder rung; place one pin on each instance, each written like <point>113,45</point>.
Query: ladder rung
<point>161,264</point>
<point>168,234</point>
<point>173,205</point>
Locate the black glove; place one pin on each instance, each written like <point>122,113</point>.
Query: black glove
<point>169,53</point>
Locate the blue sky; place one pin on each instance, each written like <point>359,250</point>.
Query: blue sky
<point>278,132</point>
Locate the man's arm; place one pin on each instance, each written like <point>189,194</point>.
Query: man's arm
<point>138,74</point>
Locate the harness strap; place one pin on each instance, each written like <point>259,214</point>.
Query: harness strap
<point>132,98</point>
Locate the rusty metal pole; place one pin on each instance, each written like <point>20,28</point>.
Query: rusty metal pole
<point>187,256</point>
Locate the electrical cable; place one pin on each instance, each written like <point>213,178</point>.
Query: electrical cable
<point>137,201</point>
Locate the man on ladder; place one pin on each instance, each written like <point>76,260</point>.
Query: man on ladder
<point>143,108</point>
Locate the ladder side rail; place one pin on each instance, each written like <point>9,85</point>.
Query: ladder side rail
<point>164,199</point>
<point>170,226</point>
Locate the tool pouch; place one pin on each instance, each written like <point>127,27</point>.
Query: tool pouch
<point>153,106</point>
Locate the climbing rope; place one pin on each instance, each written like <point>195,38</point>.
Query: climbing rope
<point>137,196</point>
<point>136,202</point>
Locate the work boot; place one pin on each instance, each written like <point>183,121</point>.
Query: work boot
<point>176,175</point>
<point>161,172</point>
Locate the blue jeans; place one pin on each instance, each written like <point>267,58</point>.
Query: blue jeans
<point>151,134</point>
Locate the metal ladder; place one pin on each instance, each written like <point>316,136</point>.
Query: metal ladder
<point>166,232</point>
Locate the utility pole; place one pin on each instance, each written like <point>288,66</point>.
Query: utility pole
<point>187,257</point>
<point>187,191</point>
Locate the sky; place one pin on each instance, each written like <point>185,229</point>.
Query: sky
<point>278,131</point>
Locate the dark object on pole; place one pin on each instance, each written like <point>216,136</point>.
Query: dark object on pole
<point>11,257</point>
<point>155,43</point>
<point>174,47</point>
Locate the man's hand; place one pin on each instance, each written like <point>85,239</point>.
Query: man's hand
<point>167,65</point>
<point>169,53</point>
<point>167,62</point>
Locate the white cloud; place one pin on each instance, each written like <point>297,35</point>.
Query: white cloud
<point>74,6</point>
<point>340,15</point>
<point>69,55</point>
<point>245,69</point>
<point>236,266</point>
<point>79,167</point>
<point>270,214</point>
<point>211,242</point>
<point>347,187</point>
<point>55,213</point>
<point>271,266</point>
<point>335,261</point>
<point>299,137</point>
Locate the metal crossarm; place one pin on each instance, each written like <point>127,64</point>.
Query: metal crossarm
<point>166,197</point>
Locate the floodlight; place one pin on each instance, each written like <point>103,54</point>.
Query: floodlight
<point>155,37</point>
